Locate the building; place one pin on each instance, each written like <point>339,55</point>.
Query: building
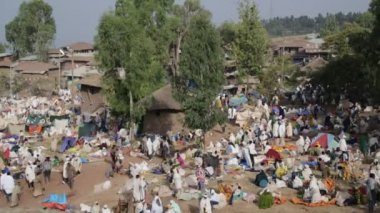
<point>81,48</point>
<point>67,63</point>
<point>164,113</point>
<point>80,72</point>
<point>35,70</point>
<point>301,48</point>
<point>90,89</point>
<point>6,60</point>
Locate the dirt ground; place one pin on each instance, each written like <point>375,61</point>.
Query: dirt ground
<point>93,173</point>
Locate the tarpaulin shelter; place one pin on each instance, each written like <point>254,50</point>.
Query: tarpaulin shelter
<point>56,201</point>
<point>68,142</point>
<point>324,140</point>
<point>36,120</point>
<point>273,154</point>
<point>238,100</point>
<point>86,130</point>
<point>58,117</point>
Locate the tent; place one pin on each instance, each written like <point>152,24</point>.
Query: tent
<point>68,142</point>
<point>324,140</point>
<point>36,120</point>
<point>56,201</point>
<point>273,154</point>
<point>86,130</point>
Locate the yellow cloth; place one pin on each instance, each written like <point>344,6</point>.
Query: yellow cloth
<point>280,171</point>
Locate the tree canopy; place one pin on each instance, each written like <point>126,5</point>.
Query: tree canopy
<point>355,70</point>
<point>201,76</point>
<point>134,38</point>
<point>251,43</point>
<point>32,30</point>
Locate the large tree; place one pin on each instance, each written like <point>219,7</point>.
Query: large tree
<point>251,43</point>
<point>357,71</point>
<point>201,72</point>
<point>330,26</point>
<point>134,38</point>
<point>32,30</point>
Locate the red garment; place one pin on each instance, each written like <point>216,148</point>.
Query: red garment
<point>181,162</point>
<point>7,154</point>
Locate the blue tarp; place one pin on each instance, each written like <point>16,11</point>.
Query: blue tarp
<point>56,198</point>
<point>68,142</point>
<point>238,100</point>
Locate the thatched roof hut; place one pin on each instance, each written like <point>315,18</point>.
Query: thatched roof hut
<point>162,99</point>
<point>314,65</point>
<point>165,113</point>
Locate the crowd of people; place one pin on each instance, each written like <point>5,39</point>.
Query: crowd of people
<point>306,148</point>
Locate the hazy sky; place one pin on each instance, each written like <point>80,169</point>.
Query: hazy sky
<point>77,20</point>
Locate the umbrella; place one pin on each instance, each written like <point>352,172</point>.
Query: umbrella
<point>273,154</point>
<point>325,140</point>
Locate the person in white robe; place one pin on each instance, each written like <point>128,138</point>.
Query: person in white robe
<point>275,129</point>
<point>157,206</point>
<point>105,209</point>
<point>95,208</point>
<point>281,133</point>
<point>289,130</point>
<point>205,205</point>
<point>139,187</point>
<point>30,175</point>
<point>64,170</point>
<point>7,185</point>
<point>269,126</point>
<point>156,145</point>
<point>247,156</point>
<point>343,144</point>
<point>177,181</point>
<point>307,144</point>
<point>300,145</point>
<point>232,138</point>
<point>149,148</point>
<point>306,173</point>
<point>77,164</point>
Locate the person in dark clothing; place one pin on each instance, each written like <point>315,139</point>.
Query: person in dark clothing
<point>371,191</point>
<point>46,169</point>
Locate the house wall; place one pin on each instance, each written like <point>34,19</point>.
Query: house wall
<point>160,122</point>
<point>67,64</point>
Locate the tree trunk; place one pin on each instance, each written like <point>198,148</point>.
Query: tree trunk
<point>131,126</point>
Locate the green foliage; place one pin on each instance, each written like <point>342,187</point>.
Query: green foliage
<point>228,32</point>
<point>357,71</point>
<point>366,20</point>
<point>251,43</point>
<point>135,38</point>
<point>32,30</point>
<point>273,76</point>
<point>201,73</point>
<point>3,48</point>
<point>287,26</point>
<point>340,42</point>
<point>330,27</point>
